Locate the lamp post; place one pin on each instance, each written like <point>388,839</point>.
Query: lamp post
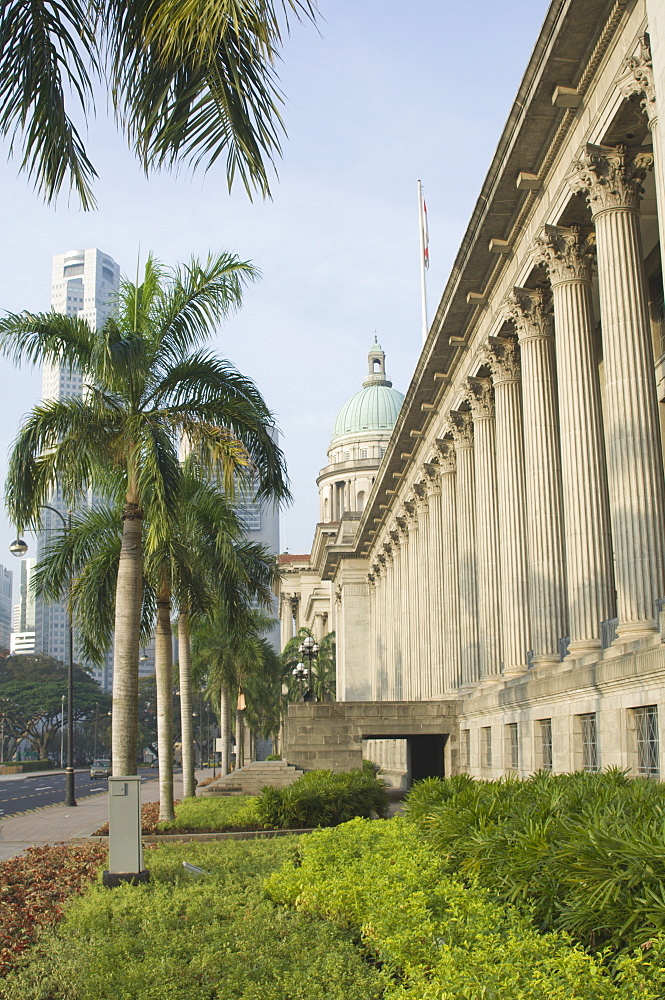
<point>309,648</point>
<point>62,732</point>
<point>19,548</point>
<point>299,672</point>
<point>2,741</point>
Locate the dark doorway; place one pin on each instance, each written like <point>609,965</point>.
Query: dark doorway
<point>426,756</point>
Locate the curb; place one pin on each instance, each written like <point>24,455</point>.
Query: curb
<point>185,838</point>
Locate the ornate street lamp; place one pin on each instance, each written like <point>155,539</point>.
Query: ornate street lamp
<point>309,648</point>
<point>19,548</point>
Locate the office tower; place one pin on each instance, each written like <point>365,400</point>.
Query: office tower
<point>6,577</point>
<point>84,283</point>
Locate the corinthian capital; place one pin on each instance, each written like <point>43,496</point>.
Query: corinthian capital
<point>611,176</point>
<point>447,458</point>
<point>480,393</point>
<point>529,309</point>
<point>502,356</point>
<point>461,428</point>
<point>566,253</point>
<point>637,80</point>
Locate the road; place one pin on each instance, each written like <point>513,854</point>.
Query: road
<point>32,791</point>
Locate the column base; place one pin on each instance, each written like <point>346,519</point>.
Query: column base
<point>582,647</point>
<point>633,638</point>
<point>545,660</point>
<point>514,670</point>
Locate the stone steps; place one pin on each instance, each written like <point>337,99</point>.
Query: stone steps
<point>250,779</point>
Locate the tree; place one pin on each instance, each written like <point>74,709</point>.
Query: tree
<point>147,388</point>
<point>31,690</point>
<point>189,81</point>
<point>323,666</point>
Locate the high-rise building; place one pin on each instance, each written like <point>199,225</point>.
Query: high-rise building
<point>24,610</point>
<point>84,283</point>
<point>6,578</point>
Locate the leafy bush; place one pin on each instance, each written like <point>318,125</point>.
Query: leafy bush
<point>274,756</point>
<point>434,937</point>
<point>585,851</point>
<point>323,798</point>
<point>216,937</point>
<point>213,814</point>
<point>36,765</point>
<point>33,887</point>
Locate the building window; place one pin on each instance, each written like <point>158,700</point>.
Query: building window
<point>466,748</point>
<point>589,734</point>
<point>512,747</point>
<point>363,452</point>
<point>646,735</point>
<point>545,744</point>
<point>345,456</point>
<point>486,746</point>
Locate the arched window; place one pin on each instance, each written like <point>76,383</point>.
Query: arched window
<point>360,501</point>
<point>326,510</point>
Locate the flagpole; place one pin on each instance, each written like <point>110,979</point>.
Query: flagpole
<point>423,249</point>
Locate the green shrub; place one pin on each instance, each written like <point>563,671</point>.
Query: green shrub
<point>214,813</point>
<point>216,937</point>
<point>36,765</point>
<point>274,756</point>
<point>434,937</point>
<point>323,798</point>
<point>584,851</point>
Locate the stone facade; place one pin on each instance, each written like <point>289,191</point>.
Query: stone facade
<point>512,544</point>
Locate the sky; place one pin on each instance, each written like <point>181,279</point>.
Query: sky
<point>379,95</point>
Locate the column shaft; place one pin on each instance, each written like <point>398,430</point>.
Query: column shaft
<point>434,558</point>
<point>462,430</point>
<point>547,598</point>
<point>503,360</point>
<point>449,570</point>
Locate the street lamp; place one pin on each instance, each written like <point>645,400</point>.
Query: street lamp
<point>309,648</point>
<point>19,548</point>
<point>299,672</point>
<point>62,731</point>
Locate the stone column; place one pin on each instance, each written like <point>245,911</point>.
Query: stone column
<point>389,616</point>
<point>371,580</point>
<point>424,587</point>
<point>434,556</point>
<point>379,630</point>
<point>412,597</point>
<point>481,398</point>
<point>568,258</point>
<point>502,357</point>
<point>449,567</point>
<point>530,313</point>
<point>461,427</point>
<point>612,180</point>
<point>638,80</point>
<point>397,535</point>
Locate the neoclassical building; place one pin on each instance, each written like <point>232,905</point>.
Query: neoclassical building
<point>507,561</point>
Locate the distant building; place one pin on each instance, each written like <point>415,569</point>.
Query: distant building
<point>22,643</point>
<point>6,577</point>
<point>84,283</point>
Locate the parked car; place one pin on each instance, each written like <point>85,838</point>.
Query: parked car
<point>100,769</point>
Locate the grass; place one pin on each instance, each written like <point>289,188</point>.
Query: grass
<point>214,814</point>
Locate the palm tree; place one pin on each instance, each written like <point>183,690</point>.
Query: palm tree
<point>323,666</point>
<point>189,82</point>
<point>146,388</point>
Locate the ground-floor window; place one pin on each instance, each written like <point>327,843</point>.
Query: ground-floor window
<point>486,746</point>
<point>466,748</point>
<point>512,747</point>
<point>646,736</point>
<point>545,726</point>
<point>589,739</point>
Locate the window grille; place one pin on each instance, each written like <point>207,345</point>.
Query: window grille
<point>646,732</point>
<point>589,742</point>
<point>513,746</point>
<point>466,747</point>
<point>546,744</point>
<point>486,745</point>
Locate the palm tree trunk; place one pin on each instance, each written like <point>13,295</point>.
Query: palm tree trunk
<point>129,595</point>
<point>225,728</point>
<point>186,725</point>
<point>240,740</point>
<point>164,681</point>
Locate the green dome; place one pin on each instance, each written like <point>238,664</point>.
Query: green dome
<point>374,408</point>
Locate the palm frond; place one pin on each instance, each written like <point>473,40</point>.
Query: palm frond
<point>42,48</point>
<point>49,338</point>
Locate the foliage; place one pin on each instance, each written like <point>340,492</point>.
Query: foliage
<point>584,851</point>
<point>214,813</point>
<point>36,765</point>
<point>31,690</point>
<point>213,937</point>
<point>323,798</point>
<point>149,820</point>
<point>323,666</point>
<point>434,937</point>
<point>33,887</point>
<point>189,82</point>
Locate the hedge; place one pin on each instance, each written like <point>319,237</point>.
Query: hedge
<point>323,798</point>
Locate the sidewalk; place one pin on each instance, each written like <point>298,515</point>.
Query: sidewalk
<point>55,824</point>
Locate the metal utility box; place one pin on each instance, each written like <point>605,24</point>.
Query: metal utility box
<point>125,846</point>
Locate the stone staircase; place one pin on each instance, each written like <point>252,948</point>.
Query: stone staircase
<point>250,779</point>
